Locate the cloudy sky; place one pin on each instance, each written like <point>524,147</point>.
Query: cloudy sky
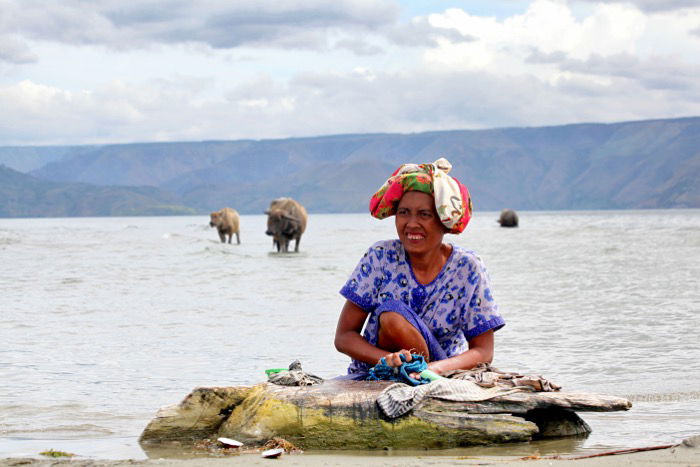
<point>114,71</point>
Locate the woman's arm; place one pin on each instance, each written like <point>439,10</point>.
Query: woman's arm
<point>480,351</point>
<point>348,339</point>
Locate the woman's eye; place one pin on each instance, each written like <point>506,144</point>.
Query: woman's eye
<point>426,215</point>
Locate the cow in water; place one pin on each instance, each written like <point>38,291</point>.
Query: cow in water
<point>227,222</point>
<point>286,220</point>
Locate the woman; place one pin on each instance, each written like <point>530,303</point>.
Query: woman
<point>417,294</point>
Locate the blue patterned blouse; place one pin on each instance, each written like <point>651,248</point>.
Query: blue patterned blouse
<point>457,305</point>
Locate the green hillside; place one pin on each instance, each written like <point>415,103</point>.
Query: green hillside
<point>25,196</point>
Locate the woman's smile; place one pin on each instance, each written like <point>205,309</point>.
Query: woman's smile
<point>417,223</point>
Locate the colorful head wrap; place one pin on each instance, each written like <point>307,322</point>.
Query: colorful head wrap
<point>452,201</point>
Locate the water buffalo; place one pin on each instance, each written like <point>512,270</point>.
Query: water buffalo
<point>286,220</point>
<point>508,218</point>
<point>227,222</point>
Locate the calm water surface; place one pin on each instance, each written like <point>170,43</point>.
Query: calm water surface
<point>104,320</point>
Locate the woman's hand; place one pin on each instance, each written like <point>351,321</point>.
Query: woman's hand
<point>394,358</point>
<point>480,351</point>
<point>349,341</point>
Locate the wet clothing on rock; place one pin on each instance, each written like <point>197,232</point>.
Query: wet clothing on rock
<point>399,398</point>
<point>383,372</point>
<point>455,307</point>
<point>481,383</point>
<point>295,376</point>
<point>487,376</point>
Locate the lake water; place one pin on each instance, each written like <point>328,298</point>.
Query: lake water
<point>104,320</point>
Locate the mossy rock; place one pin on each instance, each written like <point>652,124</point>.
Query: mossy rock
<point>339,420</point>
<point>344,415</point>
<point>198,416</point>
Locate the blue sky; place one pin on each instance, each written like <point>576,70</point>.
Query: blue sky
<point>498,9</point>
<point>108,71</point>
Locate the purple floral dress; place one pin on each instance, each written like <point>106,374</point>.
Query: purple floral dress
<point>456,306</point>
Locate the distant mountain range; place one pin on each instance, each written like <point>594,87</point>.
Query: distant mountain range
<point>644,164</point>
<point>25,196</point>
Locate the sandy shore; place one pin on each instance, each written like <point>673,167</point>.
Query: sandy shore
<point>685,454</point>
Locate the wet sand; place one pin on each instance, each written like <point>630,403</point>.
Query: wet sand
<point>684,454</point>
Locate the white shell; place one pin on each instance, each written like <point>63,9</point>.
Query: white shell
<point>230,443</point>
<point>271,453</point>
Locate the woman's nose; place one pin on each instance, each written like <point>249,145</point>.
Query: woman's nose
<point>412,219</point>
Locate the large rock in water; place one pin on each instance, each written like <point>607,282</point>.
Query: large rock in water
<point>344,415</point>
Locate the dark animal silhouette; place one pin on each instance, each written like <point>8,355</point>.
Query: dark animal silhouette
<point>508,218</point>
<point>286,220</point>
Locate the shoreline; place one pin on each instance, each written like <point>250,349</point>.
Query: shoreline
<point>686,453</point>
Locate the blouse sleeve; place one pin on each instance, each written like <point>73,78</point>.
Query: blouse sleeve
<point>481,314</point>
<point>362,287</point>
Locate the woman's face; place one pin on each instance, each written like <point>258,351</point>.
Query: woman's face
<point>417,223</point>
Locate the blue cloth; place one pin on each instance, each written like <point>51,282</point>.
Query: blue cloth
<point>383,372</point>
<point>455,307</point>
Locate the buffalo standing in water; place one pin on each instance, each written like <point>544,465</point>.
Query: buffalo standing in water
<point>227,223</point>
<point>286,220</point>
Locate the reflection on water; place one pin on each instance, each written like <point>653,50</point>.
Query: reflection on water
<point>104,320</point>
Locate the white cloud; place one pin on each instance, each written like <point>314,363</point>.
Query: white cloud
<point>16,51</point>
<point>217,23</point>
<point>325,68</point>
<point>32,99</point>
<point>611,29</point>
<point>654,5</point>
<point>547,26</point>
<point>548,42</point>
<point>324,103</point>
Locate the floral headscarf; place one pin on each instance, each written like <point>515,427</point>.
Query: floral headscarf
<point>452,201</point>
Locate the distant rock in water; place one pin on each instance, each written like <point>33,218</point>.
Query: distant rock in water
<point>508,218</point>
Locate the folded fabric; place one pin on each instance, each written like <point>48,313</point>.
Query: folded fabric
<point>383,372</point>
<point>398,399</point>
<point>295,376</point>
<point>487,376</point>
